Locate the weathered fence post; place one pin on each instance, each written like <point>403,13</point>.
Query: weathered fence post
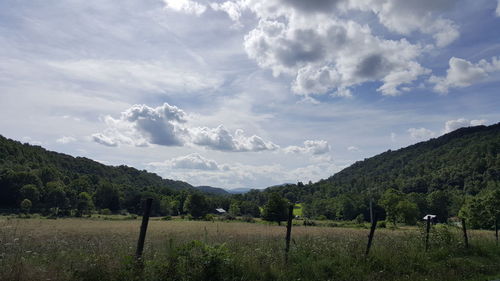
<point>288,231</point>
<point>428,229</point>
<point>144,227</point>
<point>370,236</point>
<point>496,230</point>
<point>466,238</point>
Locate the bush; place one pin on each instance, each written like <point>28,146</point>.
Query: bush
<point>360,219</point>
<point>199,261</point>
<point>166,218</point>
<point>308,222</point>
<point>106,212</point>
<point>209,217</point>
<point>247,218</point>
<point>228,216</point>
<point>321,218</point>
<point>381,224</point>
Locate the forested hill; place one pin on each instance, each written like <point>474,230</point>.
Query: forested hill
<point>25,157</point>
<point>467,159</point>
<point>23,164</point>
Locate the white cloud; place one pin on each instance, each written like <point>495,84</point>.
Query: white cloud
<point>332,55</point>
<point>141,125</point>
<point>65,140</point>
<point>233,175</point>
<point>405,17</point>
<point>232,9</point>
<point>353,148</point>
<point>167,125</point>
<point>136,75</point>
<point>185,6</point>
<point>462,73</point>
<point>105,140</point>
<point>497,11</point>
<point>315,147</point>
<point>327,53</point>
<point>452,125</point>
<point>193,161</point>
<point>221,139</point>
<point>421,133</point>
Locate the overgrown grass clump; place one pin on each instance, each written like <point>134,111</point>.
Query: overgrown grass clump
<point>80,249</point>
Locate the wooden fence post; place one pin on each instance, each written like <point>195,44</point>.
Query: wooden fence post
<point>288,231</point>
<point>370,236</point>
<point>496,230</point>
<point>144,227</point>
<point>466,238</point>
<point>427,233</point>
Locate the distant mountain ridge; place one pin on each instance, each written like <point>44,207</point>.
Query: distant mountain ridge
<point>212,190</point>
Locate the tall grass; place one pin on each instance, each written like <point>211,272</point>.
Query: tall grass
<point>81,249</point>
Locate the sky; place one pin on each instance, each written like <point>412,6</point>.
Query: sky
<point>245,93</point>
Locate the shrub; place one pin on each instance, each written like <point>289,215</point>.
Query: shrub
<point>106,211</point>
<point>308,222</point>
<point>228,216</point>
<point>360,219</point>
<point>247,218</point>
<point>209,217</point>
<point>382,224</point>
<point>199,261</point>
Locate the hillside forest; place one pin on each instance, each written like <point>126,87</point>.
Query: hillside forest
<point>455,175</point>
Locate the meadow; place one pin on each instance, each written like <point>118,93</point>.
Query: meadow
<point>99,249</point>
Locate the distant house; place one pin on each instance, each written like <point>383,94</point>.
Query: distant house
<point>220,211</point>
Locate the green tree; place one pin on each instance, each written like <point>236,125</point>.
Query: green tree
<point>84,203</point>
<point>56,197</point>
<point>389,201</point>
<point>474,211</point>
<point>275,209</point>
<point>234,209</point>
<point>26,206</point>
<point>492,204</point>
<point>31,192</point>
<point>107,196</point>
<point>196,205</point>
<point>407,212</point>
<point>439,203</point>
<point>250,208</point>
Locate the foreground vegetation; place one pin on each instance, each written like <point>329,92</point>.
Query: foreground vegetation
<point>85,249</point>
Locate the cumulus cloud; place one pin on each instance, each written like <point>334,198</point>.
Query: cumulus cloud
<point>167,125</point>
<point>326,55</point>
<point>192,161</point>
<point>327,52</point>
<point>185,6</point>
<point>462,73</point>
<point>420,133</point>
<point>65,140</point>
<point>141,125</point>
<point>315,147</point>
<point>232,9</point>
<point>452,125</point>
<point>221,139</point>
<point>405,17</point>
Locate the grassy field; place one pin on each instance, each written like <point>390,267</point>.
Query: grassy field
<point>97,249</point>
